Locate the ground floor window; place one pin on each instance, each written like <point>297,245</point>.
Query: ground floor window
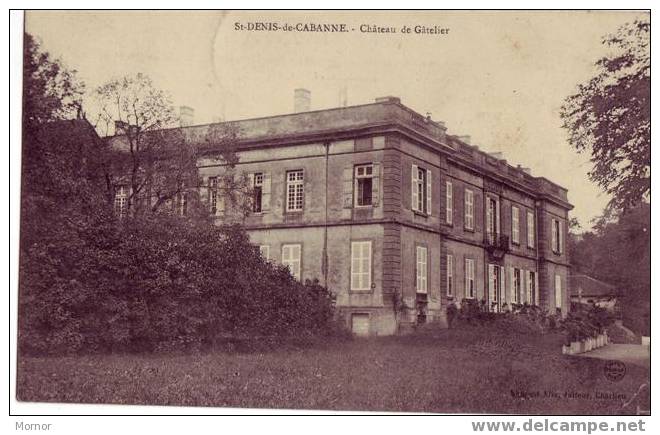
<point>558,292</point>
<point>517,286</point>
<point>422,270</point>
<point>469,278</point>
<point>450,275</point>
<point>495,285</point>
<point>291,258</point>
<point>264,250</point>
<point>361,265</point>
<point>531,288</point>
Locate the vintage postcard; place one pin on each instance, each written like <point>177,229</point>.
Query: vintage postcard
<point>368,211</point>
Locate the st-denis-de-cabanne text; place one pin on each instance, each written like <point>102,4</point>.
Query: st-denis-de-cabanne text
<point>337,28</point>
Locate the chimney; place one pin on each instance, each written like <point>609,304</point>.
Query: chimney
<point>186,116</point>
<point>388,99</point>
<point>497,154</point>
<point>302,99</point>
<point>465,138</point>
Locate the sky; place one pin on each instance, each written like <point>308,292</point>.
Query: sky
<point>500,77</point>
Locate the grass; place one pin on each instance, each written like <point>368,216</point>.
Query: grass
<point>467,370</point>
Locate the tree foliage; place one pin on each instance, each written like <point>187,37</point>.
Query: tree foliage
<point>618,251</point>
<point>50,90</point>
<point>609,117</point>
<point>90,281</point>
<point>156,161</point>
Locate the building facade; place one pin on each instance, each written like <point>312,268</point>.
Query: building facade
<point>394,215</point>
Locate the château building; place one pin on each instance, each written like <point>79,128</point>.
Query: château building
<point>394,215</point>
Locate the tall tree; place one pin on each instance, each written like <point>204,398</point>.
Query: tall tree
<point>609,117</point>
<point>153,160</point>
<point>50,90</point>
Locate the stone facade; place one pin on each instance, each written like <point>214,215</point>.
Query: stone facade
<point>413,160</point>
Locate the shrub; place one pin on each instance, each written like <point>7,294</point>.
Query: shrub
<point>517,318</point>
<point>585,321</point>
<point>159,283</point>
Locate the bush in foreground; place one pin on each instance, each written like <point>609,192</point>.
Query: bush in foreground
<point>158,283</point>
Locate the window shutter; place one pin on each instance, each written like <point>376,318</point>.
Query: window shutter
<point>554,235</point>
<point>491,283</point>
<point>265,192</point>
<point>429,193</point>
<point>347,180</point>
<point>375,185</point>
<point>497,216</point>
<point>489,216</point>
<point>466,287</point>
<point>536,288</point>
<point>528,288</point>
<point>561,236</point>
<point>512,289</point>
<point>449,206</point>
<point>558,291</point>
<point>413,182</point>
<point>503,292</point>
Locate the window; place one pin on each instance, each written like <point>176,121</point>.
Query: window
<point>492,217</point>
<point>364,185</point>
<point>531,288</point>
<point>121,201</point>
<point>558,292</point>
<point>530,230</point>
<point>449,203</point>
<point>213,195</point>
<point>291,258</point>
<point>264,250</point>
<point>294,190</point>
<point>495,274</point>
<point>421,190</point>
<point>556,237</point>
<point>450,275</point>
<point>422,269</point>
<point>469,209</point>
<point>469,278</point>
<point>517,286</point>
<point>257,191</point>
<point>361,265</point>
<point>515,225</point>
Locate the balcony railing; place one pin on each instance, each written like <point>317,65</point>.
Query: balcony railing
<point>496,244</point>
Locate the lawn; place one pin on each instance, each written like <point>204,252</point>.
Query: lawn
<point>461,370</point>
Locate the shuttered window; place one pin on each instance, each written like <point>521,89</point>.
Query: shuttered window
<point>422,269</point>
<point>515,224</point>
<point>557,239</point>
<point>469,209</point>
<point>449,198</point>
<point>361,265</point>
<point>294,190</point>
<point>469,278</point>
<point>257,191</point>
<point>421,190</point>
<point>531,230</point>
<point>558,292</point>
<point>450,275</point>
